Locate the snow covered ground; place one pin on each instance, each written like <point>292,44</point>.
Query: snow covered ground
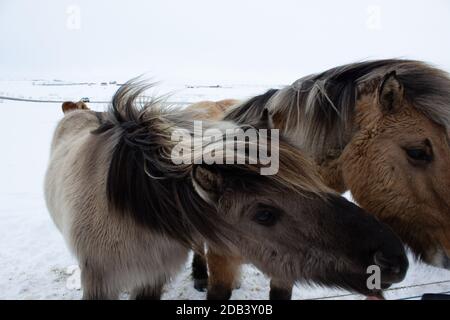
<point>34,261</point>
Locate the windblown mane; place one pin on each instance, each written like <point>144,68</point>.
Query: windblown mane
<point>318,109</point>
<point>144,182</point>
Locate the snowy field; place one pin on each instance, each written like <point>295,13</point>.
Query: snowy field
<point>34,261</point>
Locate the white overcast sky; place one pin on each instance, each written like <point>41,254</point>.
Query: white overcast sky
<point>228,40</point>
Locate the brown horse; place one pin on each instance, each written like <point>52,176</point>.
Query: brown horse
<point>130,211</point>
<point>379,129</point>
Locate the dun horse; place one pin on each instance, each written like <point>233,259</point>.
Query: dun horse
<point>379,129</point>
<point>130,215</point>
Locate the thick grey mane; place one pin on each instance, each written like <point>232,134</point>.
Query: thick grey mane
<point>317,110</point>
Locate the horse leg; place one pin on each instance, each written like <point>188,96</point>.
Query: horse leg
<point>148,292</point>
<point>95,286</point>
<point>280,290</point>
<point>223,272</point>
<point>199,272</point>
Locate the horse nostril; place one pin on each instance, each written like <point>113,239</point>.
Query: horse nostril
<point>386,264</point>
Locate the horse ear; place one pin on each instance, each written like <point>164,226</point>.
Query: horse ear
<point>82,106</point>
<point>208,182</point>
<point>69,105</point>
<point>390,93</point>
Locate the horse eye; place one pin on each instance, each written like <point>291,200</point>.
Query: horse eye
<point>419,155</point>
<point>266,217</point>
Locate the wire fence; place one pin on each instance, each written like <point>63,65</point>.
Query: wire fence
<point>90,101</point>
<point>393,290</point>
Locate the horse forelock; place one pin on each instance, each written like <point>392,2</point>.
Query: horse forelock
<point>428,90</point>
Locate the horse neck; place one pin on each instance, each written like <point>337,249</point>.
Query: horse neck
<point>327,152</point>
<point>301,131</point>
<point>329,159</point>
<point>325,148</point>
